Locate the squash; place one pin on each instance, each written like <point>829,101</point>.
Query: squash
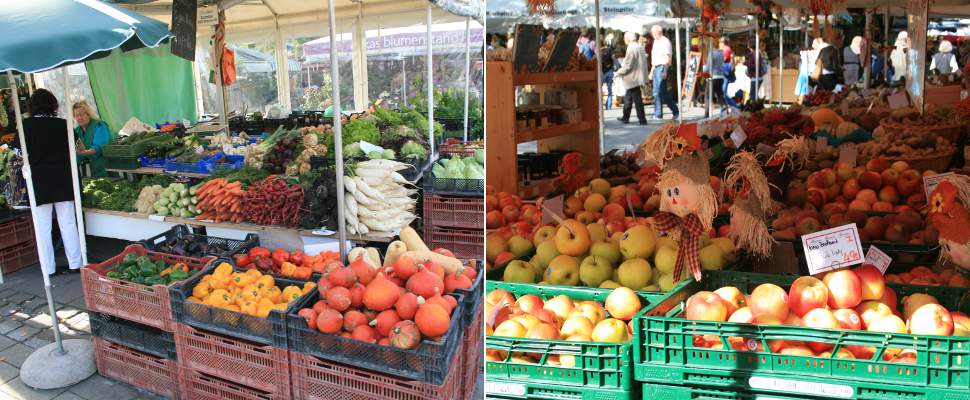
<point>825,118</point>
<point>432,320</point>
<point>405,335</point>
<point>394,250</point>
<point>845,128</point>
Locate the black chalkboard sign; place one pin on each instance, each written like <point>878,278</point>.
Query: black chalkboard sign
<point>562,50</point>
<point>525,51</point>
<point>183,28</point>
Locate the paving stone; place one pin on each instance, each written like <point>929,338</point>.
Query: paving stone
<point>42,320</point>
<point>99,387</point>
<point>36,342</point>
<point>17,390</point>
<point>7,372</point>
<point>23,333</point>
<point>16,354</point>
<point>6,342</point>
<point>79,322</point>
<point>8,325</point>
<point>7,293</point>
<point>8,310</point>
<point>67,312</point>
<point>69,396</point>
<point>66,333</point>
<point>34,305</point>
<point>19,298</point>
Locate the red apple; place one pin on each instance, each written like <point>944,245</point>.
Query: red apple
<point>889,177</point>
<point>867,195</point>
<point>845,288</point>
<point>889,299</point>
<point>494,219</point>
<point>816,197</point>
<point>613,212</point>
<point>871,311</point>
<point>732,297</point>
<point>848,319</point>
<point>822,319</point>
<point>859,205</point>
<point>807,293</point>
<point>769,299</point>
<point>931,319</point>
<point>909,182</point>
<point>877,165</point>
<point>706,306</point>
<point>889,194</point>
<point>528,304</point>
<point>870,180</point>
<point>873,284</point>
<point>851,188</point>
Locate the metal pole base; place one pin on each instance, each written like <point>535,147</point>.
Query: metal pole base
<point>48,368</point>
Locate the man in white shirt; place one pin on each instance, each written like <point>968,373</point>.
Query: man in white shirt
<point>633,74</point>
<point>660,57</point>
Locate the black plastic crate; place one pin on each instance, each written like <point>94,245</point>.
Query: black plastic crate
<point>452,187</point>
<point>429,362</point>
<point>143,338</point>
<point>272,124</point>
<point>453,124</point>
<point>218,247</point>
<point>472,297</point>
<point>268,331</point>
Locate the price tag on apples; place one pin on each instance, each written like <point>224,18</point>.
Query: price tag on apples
<point>832,248</point>
<point>878,259</point>
<point>930,182</point>
<point>552,209</point>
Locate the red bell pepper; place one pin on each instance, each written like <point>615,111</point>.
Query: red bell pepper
<point>243,260</point>
<point>297,257</point>
<point>280,256</point>
<point>258,252</point>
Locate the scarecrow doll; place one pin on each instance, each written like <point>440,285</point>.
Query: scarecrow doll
<point>752,205</point>
<point>687,200</point>
<point>948,213</point>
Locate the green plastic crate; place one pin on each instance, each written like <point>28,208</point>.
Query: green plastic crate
<point>122,163</point>
<point>129,150</point>
<point>650,391</point>
<point>600,366</point>
<point>664,352</point>
<point>515,390</point>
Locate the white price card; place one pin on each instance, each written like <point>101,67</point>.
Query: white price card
<point>156,218</point>
<point>898,100</point>
<point>551,207</point>
<point>832,248</point>
<point>801,387</point>
<point>511,389</point>
<point>738,136</point>
<point>878,259</point>
<point>930,182</point>
<point>848,154</point>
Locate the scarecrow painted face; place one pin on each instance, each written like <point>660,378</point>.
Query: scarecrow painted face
<point>681,198</point>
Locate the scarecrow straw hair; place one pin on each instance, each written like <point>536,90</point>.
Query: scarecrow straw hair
<point>656,146</point>
<point>706,202</point>
<point>793,151</point>
<point>750,233</point>
<point>744,168</point>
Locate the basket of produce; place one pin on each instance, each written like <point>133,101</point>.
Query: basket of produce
<point>931,162</point>
<point>618,168</point>
<point>588,356</point>
<point>208,301</point>
<point>457,176</point>
<point>935,122</point>
<point>193,162</point>
<point>180,240</point>
<point>133,145</point>
<point>922,149</point>
<point>135,284</point>
<point>797,336</point>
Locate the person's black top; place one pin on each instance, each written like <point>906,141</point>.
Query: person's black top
<point>606,59</point>
<point>50,162</point>
<point>830,59</point>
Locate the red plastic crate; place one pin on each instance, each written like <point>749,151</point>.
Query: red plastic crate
<point>154,374</point>
<point>18,257</point>
<point>18,231</point>
<point>144,304</point>
<point>473,348</point>
<point>464,243</point>
<point>197,385</point>
<point>316,379</point>
<point>258,366</point>
<point>454,212</point>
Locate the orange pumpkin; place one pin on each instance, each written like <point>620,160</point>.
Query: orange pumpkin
<point>407,305</point>
<point>353,319</point>
<point>432,320</point>
<point>425,283</point>
<point>381,294</point>
<point>385,321</point>
<point>330,321</point>
<point>405,335</point>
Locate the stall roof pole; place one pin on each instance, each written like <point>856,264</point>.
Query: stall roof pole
<point>404,81</point>
<point>867,62</point>
<point>599,80</point>
<point>781,56</point>
<point>709,93</point>
<point>468,69</point>
<point>430,74</point>
<point>361,99</point>
<point>756,74</point>
<point>75,178</point>
<point>282,69</point>
<point>680,96</point>
<point>33,204</point>
<point>338,147</point>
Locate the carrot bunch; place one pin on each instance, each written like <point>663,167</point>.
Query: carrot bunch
<point>220,201</point>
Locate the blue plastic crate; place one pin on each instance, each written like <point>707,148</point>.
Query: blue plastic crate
<point>230,162</point>
<point>152,162</point>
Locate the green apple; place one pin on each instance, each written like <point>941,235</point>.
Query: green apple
<point>666,241</point>
<point>607,250</point>
<point>543,234</point>
<point>638,242</point>
<point>635,273</point>
<point>712,257</point>
<point>725,244</point>
<point>494,244</point>
<point>562,270</point>
<point>595,270</point>
<point>519,271</point>
<point>650,288</point>
<point>609,284</point>
<point>545,252</point>
<point>666,259</point>
<point>520,246</point>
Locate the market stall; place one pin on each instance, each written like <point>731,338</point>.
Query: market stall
<point>794,251</point>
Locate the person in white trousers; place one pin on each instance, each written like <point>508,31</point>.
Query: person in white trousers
<point>50,166</point>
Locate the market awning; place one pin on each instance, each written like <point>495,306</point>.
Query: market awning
<point>44,34</point>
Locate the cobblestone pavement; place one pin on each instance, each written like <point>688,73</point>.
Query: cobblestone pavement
<point>25,325</point>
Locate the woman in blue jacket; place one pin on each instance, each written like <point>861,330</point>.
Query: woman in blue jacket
<point>91,134</point>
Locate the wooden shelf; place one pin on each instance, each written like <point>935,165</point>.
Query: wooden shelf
<point>158,171</point>
<point>551,78</point>
<point>229,225</point>
<point>553,131</point>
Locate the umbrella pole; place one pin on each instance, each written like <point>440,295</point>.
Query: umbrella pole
<point>430,75</point>
<point>338,147</point>
<point>467,70</point>
<point>51,366</point>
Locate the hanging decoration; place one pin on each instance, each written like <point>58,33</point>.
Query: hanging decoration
<point>688,203</point>
<point>710,11</point>
<point>752,204</point>
<point>547,7</point>
<point>764,12</point>
<point>820,8</point>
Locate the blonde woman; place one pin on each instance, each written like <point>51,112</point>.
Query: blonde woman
<point>91,134</point>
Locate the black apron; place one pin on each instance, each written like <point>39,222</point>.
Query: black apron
<point>50,162</point>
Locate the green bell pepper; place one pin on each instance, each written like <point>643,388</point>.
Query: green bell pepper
<point>114,274</point>
<point>129,259</point>
<point>178,275</point>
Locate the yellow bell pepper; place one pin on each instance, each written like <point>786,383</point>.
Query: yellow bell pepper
<point>218,298</point>
<point>223,270</point>
<point>237,296</point>
<point>287,268</point>
<point>251,293</point>
<point>202,290</point>
<point>219,282</point>
<point>193,299</point>
<point>264,307</point>
<point>266,282</point>
<point>181,267</point>
<point>307,287</point>
<point>280,306</point>
<point>273,294</point>
<point>290,293</point>
<point>248,307</point>
<point>243,279</point>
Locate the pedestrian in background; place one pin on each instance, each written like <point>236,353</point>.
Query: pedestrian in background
<point>633,73</point>
<point>661,56</point>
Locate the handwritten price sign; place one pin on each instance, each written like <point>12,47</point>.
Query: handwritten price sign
<point>832,248</point>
